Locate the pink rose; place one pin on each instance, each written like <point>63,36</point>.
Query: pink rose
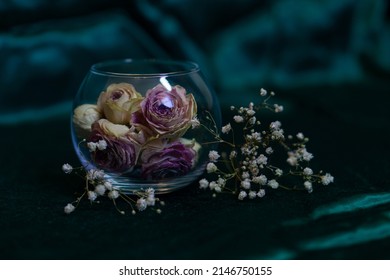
<point>174,159</point>
<point>166,112</point>
<point>119,155</point>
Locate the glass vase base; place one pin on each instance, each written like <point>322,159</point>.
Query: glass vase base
<point>131,185</point>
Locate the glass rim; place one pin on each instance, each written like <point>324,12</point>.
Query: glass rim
<point>184,67</point>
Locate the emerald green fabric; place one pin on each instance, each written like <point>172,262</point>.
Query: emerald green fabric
<point>350,219</point>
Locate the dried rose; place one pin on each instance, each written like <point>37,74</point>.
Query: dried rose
<point>85,115</point>
<point>118,102</point>
<point>166,112</point>
<point>174,159</point>
<point>120,154</point>
<point>111,129</point>
<point>83,118</point>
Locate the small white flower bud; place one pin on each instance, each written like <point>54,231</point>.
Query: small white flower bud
<point>242,195</point>
<point>67,168</point>
<point>141,204</point>
<point>91,146</point>
<point>91,195</point>
<point>69,208</point>
<point>113,194</point>
<point>100,189</point>
<point>211,167</point>
<point>203,183</point>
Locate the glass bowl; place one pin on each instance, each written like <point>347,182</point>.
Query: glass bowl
<point>145,123</point>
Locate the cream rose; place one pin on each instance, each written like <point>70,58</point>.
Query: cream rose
<point>85,115</point>
<point>118,102</point>
<point>111,129</point>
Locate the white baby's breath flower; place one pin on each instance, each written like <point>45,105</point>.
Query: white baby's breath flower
<point>150,192</point>
<point>292,160</point>
<point>307,156</point>
<point>327,179</point>
<point>203,183</point>
<point>269,150</point>
<point>213,156</point>
<point>101,145</point>
<point>256,136</point>
<point>91,146</point>
<point>232,154</point>
<point>150,200</point>
<point>262,159</point>
<point>141,204</point>
<point>307,171</point>
<point>245,175</point>
<point>308,186</point>
<point>95,174</point>
<point>211,167</point>
<point>273,184</point>
<point>226,129</point>
<point>278,172</point>
<point>195,123</point>
<point>261,193</point>
<point>213,185</point>
<point>221,182</point>
<point>251,112</point>
<point>238,119</point>
<point>100,189</point>
<point>261,180</point>
<point>300,136</point>
<point>69,208</point>
<point>277,134</point>
<point>252,194</point>
<point>252,120</point>
<point>246,184</point>
<point>91,195</point>
<point>108,185</point>
<point>67,168</point>
<point>242,195</point>
<point>275,125</point>
<point>278,108</point>
<point>114,194</point>
<point>263,92</point>
<point>217,189</point>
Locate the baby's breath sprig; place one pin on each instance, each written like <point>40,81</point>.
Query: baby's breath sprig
<point>97,185</point>
<point>259,161</point>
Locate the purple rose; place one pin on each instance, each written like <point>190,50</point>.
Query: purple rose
<point>166,112</point>
<point>119,154</point>
<point>172,160</point>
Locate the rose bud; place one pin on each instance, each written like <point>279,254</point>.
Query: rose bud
<point>83,118</point>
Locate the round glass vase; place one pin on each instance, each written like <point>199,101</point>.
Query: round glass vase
<point>145,123</point>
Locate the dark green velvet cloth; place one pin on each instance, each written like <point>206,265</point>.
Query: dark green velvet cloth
<point>350,219</point>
